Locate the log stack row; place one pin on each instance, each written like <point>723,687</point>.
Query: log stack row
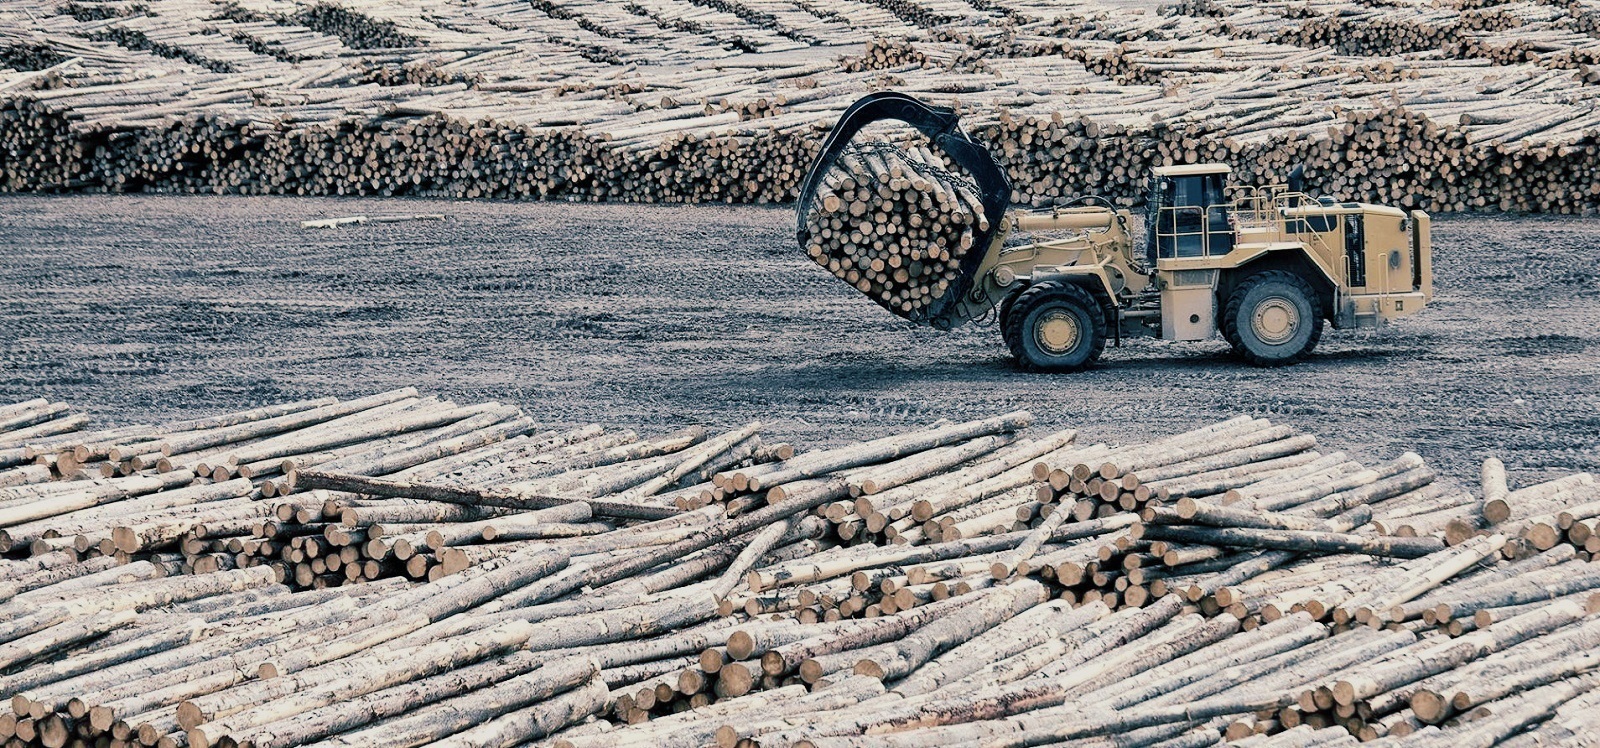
<point>65,620</point>
<point>1346,592</point>
<point>544,534</point>
<point>357,30</point>
<point>1546,34</point>
<point>29,56</point>
<point>673,101</point>
<point>341,538</point>
<point>222,491</point>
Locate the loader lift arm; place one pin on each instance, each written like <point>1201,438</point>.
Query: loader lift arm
<point>942,126</point>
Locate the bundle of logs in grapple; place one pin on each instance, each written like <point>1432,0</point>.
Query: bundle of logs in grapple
<point>895,224</point>
<point>956,584</point>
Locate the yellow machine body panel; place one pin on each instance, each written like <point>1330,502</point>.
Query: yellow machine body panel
<point>1097,251</point>
<point>1374,261</point>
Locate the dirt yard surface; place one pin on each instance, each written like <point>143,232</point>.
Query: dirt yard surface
<point>150,307</point>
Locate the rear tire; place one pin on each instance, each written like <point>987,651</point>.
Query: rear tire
<point>1273,319</point>
<point>1055,327</point>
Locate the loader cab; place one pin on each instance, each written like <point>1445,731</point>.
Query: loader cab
<point>1189,212</point>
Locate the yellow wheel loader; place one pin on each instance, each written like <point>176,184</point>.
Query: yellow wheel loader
<point>1263,265</point>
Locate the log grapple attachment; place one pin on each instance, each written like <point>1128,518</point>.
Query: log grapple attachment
<point>941,126</point>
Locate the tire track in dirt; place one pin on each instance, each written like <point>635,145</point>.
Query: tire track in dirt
<point>142,307</point>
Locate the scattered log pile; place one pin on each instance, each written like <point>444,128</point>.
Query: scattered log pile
<point>223,492</point>
<point>1454,108</point>
<point>29,56</point>
<point>34,426</point>
<point>962,583</point>
<point>186,486</point>
<point>343,539</point>
<point>358,30</point>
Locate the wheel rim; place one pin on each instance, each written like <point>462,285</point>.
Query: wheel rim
<point>1057,332</point>
<point>1275,321</point>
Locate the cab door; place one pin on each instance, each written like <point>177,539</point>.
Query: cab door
<point>1390,261</point>
<point>1193,217</point>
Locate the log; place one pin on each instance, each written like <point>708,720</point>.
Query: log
<point>472,497</point>
<point>1296,540</point>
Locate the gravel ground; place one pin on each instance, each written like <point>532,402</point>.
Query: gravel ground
<point>139,308</point>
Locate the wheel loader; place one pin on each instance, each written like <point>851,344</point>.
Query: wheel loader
<point>1264,265</point>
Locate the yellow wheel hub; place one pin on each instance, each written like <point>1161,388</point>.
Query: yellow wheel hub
<point>1057,332</point>
<point>1275,321</point>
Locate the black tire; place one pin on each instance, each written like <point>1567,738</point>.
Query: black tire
<point>1007,303</point>
<point>1273,318</point>
<point>1055,327</point>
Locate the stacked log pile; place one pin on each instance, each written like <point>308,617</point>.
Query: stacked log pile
<point>885,54</point>
<point>636,479</point>
<point>357,30</point>
<point>1456,109</point>
<point>66,621</point>
<point>29,56</point>
<point>959,583</point>
<point>1546,34</point>
<point>341,538</point>
<point>1264,499</point>
<point>226,491</point>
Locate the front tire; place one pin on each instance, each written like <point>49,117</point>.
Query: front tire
<point>1273,319</point>
<point>1055,327</point>
<point>1007,303</point>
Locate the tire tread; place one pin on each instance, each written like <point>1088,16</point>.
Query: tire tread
<point>1017,315</point>
<point>1231,314</point>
